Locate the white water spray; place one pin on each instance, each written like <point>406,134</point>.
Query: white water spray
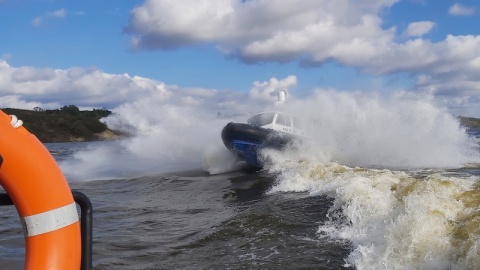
<point>357,129</point>
<point>398,131</point>
<point>393,219</point>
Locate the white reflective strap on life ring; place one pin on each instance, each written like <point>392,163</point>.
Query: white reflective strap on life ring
<point>50,221</point>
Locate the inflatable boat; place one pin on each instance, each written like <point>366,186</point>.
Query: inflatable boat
<point>274,130</point>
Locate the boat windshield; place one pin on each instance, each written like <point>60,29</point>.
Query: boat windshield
<point>297,122</point>
<point>261,119</point>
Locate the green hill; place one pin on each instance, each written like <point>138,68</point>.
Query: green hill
<point>469,122</point>
<point>65,124</point>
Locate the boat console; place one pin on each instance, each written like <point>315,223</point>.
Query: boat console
<point>278,121</point>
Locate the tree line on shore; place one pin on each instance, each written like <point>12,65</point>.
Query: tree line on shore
<point>66,124</point>
<point>469,122</point>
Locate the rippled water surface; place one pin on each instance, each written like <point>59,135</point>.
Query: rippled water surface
<point>296,215</point>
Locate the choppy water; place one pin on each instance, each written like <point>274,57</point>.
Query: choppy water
<point>194,220</point>
<point>297,215</point>
<point>384,182</point>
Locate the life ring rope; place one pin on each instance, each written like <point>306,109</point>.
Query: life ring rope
<point>15,122</point>
<point>50,221</point>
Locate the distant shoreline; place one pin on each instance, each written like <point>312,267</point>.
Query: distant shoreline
<point>67,124</point>
<point>469,122</point>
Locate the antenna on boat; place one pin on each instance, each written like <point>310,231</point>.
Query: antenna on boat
<point>282,95</point>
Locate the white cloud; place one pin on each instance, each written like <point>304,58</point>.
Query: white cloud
<point>201,92</point>
<point>268,91</point>
<point>86,87</point>
<point>313,32</point>
<point>28,87</point>
<point>189,100</point>
<point>460,10</point>
<point>60,13</point>
<point>30,74</point>
<point>37,21</point>
<point>260,30</point>
<point>18,101</point>
<point>418,29</point>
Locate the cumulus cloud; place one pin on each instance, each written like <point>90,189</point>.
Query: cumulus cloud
<point>460,10</point>
<point>30,74</point>
<point>28,87</point>
<point>268,91</point>
<point>86,87</point>
<point>19,101</point>
<point>419,29</point>
<point>312,32</point>
<point>262,30</point>
<point>60,13</point>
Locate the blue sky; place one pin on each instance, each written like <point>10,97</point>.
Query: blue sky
<point>228,45</point>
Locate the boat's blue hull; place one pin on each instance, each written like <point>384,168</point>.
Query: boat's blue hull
<point>248,151</point>
<point>247,141</point>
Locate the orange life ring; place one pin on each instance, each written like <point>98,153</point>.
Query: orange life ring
<point>42,196</point>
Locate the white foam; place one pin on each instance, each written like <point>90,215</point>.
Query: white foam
<point>393,220</point>
<point>217,159</point>
<point>358,129</point>
<point>401,130</point>
<point>164,138</point>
